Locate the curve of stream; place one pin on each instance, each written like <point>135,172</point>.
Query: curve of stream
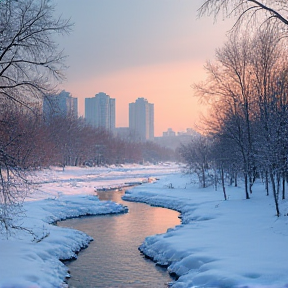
<point>113,258</point>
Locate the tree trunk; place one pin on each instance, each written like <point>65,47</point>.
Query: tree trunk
<point>278,184</point>
<point>250,186</point>
<point>252,178</point>
<point>223,183</point>
<point>275,194</point>
<point>236,183</point>
<point>283,186</point>
<point>203,177</point>
<point>246,186</point>
<point>215,180</point>
<point>266,183</point>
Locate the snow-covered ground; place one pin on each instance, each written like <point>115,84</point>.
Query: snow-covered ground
<point>233,243</point>
<point>30,259</point>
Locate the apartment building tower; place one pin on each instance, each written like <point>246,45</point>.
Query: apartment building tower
<point>100,111</point>
<point>62,104</point>
<point>141,119</point>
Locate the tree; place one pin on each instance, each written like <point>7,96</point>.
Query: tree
<point>30,66</point>
<point>273,12</point>
<point>197,156</point>
<point>12,181</point>
<point>29,58</point>
<point>229,89</point>
<point>247,88</point>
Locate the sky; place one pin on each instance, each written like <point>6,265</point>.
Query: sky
<point>128,49</point>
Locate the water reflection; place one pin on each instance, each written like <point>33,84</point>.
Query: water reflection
<point>113,259</point>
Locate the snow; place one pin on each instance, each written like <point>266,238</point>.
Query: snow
<point>234,243</point>
<point>30,258</point>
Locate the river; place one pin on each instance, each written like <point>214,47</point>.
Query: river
<point>113,258</point>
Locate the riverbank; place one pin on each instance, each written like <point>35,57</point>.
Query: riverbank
<point>33,259</point>
<point>113,259</point>
<point>233,243</point>
<point>30,257</point>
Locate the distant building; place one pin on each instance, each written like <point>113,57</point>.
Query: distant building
<point>141,119</point>
<point>188,132</point>
<point>100,111</point>
<point>169,133</point>
<point>174,140</point>
<point>62,104</point>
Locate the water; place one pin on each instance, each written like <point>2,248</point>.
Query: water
<point>113,258</point>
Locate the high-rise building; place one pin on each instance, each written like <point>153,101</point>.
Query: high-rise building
<point>100,111</point>
<point>141,119</point>
<point>62,104</point>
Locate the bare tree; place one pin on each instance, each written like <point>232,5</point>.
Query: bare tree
<point>14,187</point>
<point>229,89</point>
<point>247,88</point>
<point>30,66</point>
<point>271,11</point>
<point>30,60</point>
<point>196,155</point>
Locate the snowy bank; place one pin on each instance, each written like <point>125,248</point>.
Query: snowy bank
<point>234,243</point>
<point>32,259</point>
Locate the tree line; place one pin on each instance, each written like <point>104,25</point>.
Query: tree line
<point>35,143</point>
<point>247,129</point>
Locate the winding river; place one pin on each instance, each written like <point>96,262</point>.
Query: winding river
<point>113,258</point>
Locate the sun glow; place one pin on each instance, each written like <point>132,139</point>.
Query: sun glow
<point>168,86</point>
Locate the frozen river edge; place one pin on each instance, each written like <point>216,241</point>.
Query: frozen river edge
<point>44,249</point>
<point>220,244</point>
<point>30,257</point>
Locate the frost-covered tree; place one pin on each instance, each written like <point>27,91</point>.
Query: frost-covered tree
<point>30,60</point>
<point>30,66</point>
<point>273,12</point>
<point>229,87</point>
<point>196,155</point>
<point>247,88</point>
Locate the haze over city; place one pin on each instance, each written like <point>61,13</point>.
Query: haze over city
<point>133,59</point>
<point>130,49</point>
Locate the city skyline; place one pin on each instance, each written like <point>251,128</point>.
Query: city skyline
<point>65,104</point>
<point>131,49</point>
<point>101,99</point>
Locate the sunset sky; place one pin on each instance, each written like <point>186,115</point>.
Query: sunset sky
<point>154,49</point>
